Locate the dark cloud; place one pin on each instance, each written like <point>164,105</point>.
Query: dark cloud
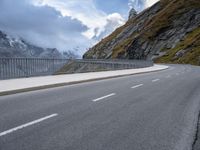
<point>41,25</point>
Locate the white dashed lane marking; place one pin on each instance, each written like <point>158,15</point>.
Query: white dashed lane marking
<point>104,97</point>
<point>27,125</point>
<point>155,80</point>
<point>136,86</point>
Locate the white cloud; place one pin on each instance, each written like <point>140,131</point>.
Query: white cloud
<point>113,21</point>
<point>138,5</point>
<point>86,12</point>
<point>42,26</point>
<point>149,3</point>
<point>64,24</point>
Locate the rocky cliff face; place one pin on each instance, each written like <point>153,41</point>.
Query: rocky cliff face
<point>132,13</point>
<point>16,47</point>
<point>169,31</point>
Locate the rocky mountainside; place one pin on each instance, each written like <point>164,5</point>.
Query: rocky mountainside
<point>168,32</point>
<point>17,47</point>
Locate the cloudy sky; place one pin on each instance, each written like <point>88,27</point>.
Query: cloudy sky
<point>65,24</point>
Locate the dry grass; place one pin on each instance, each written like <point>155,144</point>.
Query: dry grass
<point>190,43</point>
<point>171,10</point>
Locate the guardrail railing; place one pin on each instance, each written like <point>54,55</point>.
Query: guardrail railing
<point>29,67</point>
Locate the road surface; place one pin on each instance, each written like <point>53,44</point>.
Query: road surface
<point>152,111</point>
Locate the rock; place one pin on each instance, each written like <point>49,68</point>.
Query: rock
<point>2,35</point>
<point>132,13</point>
<point>180,53</point>
<point>149,32</point>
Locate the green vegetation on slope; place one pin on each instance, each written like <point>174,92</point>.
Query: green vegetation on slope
<point>189,50</point>
<point>104,42</point>
<point>173,9</point>
<point>120,48</point>
<point>157,29</point>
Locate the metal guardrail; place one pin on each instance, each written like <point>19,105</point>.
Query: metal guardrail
<point>116,64</point>
<point>29,67</point>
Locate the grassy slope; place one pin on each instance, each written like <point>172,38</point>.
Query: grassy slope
<point>190,43</point>
<point>105,41</point>
<point>120,47</point>
<point>171,9</point>
<point>161,21</point>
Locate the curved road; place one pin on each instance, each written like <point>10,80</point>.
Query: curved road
<point>153,111</point>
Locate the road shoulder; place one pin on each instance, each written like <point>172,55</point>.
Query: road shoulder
<point>14,86</point>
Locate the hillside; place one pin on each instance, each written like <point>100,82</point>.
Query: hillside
<point>169,31</point>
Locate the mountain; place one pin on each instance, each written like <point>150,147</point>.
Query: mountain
<point>132,13</point>
<point>17,47</point>
<point>167,32</point>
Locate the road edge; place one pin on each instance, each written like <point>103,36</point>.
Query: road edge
<point>72,83</point>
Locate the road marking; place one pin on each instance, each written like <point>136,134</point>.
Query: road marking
<point>137,86</point>
<point>27,125</point>
<point>155,80</point>
<point>98,99</point>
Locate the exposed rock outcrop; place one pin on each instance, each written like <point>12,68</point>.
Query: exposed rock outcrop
<point>132,13</point>
<point>156,33</point>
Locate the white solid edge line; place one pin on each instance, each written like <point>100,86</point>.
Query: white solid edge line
<point>98,99</point>
<point>27,124</point>
<point>155,80</point>
<point>137,86</point>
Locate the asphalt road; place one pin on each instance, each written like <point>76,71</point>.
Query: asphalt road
<point>153,111</point>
